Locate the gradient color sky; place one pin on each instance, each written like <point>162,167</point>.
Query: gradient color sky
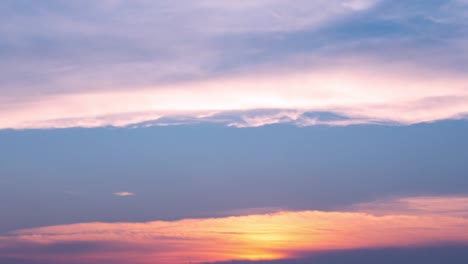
<point>137,132</point>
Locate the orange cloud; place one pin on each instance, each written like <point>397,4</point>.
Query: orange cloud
<point>419,221</point>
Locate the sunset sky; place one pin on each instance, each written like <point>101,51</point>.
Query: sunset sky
<point>231,131</point>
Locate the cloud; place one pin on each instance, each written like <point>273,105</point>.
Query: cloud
<point>63,47</point>
<point>123,194</point>
<point>285,234</point>
<point>272,15</point>
<point>458,206</point>
<point>359,4</point>
<point>363,92</point>
<point>118,63</point>
<point>427,255</point>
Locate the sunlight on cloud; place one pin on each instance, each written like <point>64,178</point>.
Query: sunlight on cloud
<point>361,94</point>
<point>413,221</point>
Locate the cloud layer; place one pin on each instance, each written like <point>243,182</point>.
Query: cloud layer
<point>418,221</point>
<point>119,63</point>
<point>361,95</point>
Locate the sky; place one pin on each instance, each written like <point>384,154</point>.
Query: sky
<point>219,131</point>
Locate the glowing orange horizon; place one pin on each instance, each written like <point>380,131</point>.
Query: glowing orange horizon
<point>408,222</point>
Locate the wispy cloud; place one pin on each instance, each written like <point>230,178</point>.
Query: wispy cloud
<point>94,64</point>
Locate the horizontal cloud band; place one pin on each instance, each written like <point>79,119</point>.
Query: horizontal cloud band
<point>357,95</point>
<point>393,223</point>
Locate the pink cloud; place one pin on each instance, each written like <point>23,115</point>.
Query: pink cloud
<point>365,92</point>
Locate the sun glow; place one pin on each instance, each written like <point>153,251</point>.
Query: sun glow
<point>402,222</point>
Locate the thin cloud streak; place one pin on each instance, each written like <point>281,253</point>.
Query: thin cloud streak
<point>279,235</point>
<point>123,194</point>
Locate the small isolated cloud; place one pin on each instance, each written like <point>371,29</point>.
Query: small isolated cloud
<point>123,194</point>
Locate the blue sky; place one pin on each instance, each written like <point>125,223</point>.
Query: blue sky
<point>176,171</point>
<point>141,121</point>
